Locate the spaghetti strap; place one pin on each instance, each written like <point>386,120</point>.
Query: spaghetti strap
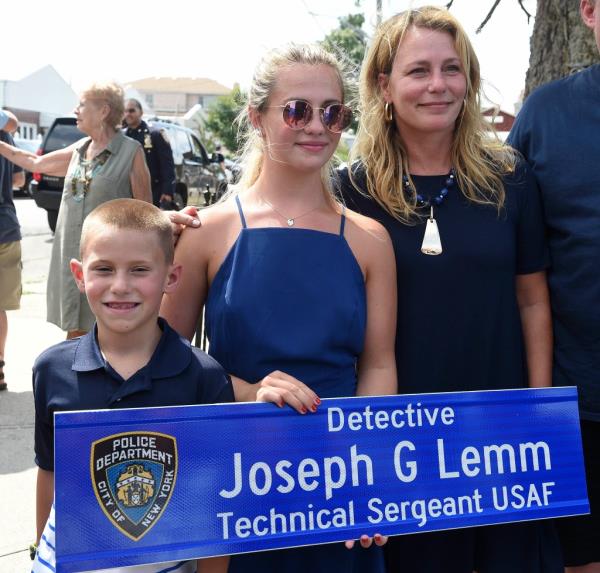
<point>343,221</point>
<point>239,206</point>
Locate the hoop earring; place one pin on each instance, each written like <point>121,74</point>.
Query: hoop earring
<point>388,112</point>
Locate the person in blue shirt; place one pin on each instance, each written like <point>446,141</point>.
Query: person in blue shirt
<point>557,131</point>
<point>299,292</point>
<point>130,359</point>
<point>10,237</point>
<point>466,225</point>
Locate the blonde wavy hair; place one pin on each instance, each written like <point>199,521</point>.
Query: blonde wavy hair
<point>112,94</point>
<point>478,157</point>
<point>263,84</point>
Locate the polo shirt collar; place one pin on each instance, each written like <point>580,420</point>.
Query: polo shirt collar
<point>173,353</point>
<point>171,357</point>
<point>87,353</point>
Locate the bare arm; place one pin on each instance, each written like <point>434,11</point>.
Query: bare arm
<point>534,306</point>
<point>55,163</point>
<point>140,178</point>
<point>377,363</point>
<point>213,565</point>
<point>18,179</point>
<point>43,499</point>
<point>182,307</point>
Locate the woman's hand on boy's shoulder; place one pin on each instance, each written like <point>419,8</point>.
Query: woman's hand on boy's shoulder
<point>187,217</point>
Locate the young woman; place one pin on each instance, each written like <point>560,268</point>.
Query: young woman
<point>465,221</point>
<point>299,292</point>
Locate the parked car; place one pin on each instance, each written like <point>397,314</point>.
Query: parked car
<point>46,190</point>
<point>31,145</point>
<point>234,170</point>
<point>199,182</point>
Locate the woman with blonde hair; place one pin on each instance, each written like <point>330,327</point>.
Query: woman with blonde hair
<point>103,166</point>
<point>297,290</point>
<point>465,221</point>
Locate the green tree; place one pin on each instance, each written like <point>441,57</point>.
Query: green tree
<point>349,43</point>
<point>219,125</point>
<point>560,43</point>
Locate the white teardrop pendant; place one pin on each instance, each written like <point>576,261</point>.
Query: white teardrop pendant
<point>432,244</point>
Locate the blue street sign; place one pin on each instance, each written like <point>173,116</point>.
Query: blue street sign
<point>165,484</point>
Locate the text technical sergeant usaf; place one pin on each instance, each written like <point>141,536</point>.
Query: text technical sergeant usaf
<point>159,158</point>
<point>395,464</point>
<point>357,469</point>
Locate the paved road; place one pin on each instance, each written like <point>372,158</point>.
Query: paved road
<point>29,334</point>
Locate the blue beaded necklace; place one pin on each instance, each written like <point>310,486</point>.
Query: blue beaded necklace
<point>439,198</point>
<point>432,243</point>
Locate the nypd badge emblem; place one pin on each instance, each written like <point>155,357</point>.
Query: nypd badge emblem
<point>134,476</point>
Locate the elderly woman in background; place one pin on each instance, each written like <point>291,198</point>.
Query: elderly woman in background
<point>103,166</point>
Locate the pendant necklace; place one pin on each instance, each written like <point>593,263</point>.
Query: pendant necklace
<point>84,172</point>
<point>289,220</point>
<point>432,243</point>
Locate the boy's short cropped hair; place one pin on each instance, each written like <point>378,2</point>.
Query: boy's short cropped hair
<point>131,215</point>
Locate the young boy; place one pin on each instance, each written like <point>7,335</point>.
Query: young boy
<point>132,359</point>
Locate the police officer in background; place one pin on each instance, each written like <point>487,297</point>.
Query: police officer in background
<point>159,155</point>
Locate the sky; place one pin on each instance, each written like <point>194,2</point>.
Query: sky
<point>125,40</point>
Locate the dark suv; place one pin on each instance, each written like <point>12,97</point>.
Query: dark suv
<point>47,189</point>
<point>199,181</point>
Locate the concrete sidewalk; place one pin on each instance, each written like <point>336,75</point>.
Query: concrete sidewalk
<point>29,334</point>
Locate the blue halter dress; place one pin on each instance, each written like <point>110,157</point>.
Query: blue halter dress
<point>292,300</point>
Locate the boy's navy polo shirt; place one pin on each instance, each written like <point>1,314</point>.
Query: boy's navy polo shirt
<point>73,375</point>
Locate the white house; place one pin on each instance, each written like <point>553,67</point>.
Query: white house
<point>37,99</point>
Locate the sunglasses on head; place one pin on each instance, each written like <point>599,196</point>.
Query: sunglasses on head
<point>297,114</point>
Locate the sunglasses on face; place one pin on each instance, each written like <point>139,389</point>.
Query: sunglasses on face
<point>297,114</point>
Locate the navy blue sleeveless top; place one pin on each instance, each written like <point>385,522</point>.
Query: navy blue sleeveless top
<point>292,300</point>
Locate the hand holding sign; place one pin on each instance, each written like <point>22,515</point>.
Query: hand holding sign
<point>281,388</point>
<point>194,481</point>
